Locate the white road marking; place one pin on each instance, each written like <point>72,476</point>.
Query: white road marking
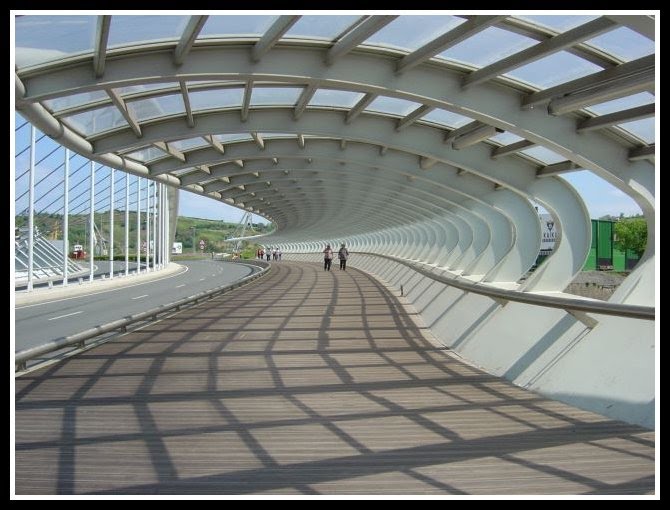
<point>182,285</point>
<point>140,297</point>
<point>67,315</point>
<point>202,279</point>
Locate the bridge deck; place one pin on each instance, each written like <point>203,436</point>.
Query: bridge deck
<point>306,382</point>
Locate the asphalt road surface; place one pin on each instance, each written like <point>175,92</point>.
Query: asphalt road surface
<point>39,323</point>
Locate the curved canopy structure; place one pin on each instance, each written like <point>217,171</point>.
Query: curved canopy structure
<point>431,133</point>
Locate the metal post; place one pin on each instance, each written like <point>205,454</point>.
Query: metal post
<point>166,224</point>
<point>66,210</point>
<point>161,212</point>
<point>126,237</point>
<point>148,231</point>
<point>157,231</point>
<point>193,231</point>
<point>31,207</point>
<point>138,224</point>
<point>91,236</point>
<point>111,224</point>
<point>168,238</point>
<point>153,206</point>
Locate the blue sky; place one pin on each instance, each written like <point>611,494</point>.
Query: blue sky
<point>197,206</point>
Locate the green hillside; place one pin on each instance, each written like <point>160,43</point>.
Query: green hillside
<point>213,232</point>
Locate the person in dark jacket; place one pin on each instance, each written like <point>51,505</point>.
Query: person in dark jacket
<point>343,255</point>
<point>327,257</point>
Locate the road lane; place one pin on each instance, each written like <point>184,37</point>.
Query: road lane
<point>37,324</point>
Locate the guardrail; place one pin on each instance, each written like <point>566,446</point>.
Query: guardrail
<point>79,339</point>
<point>574,306</point>
<point>22,281</point>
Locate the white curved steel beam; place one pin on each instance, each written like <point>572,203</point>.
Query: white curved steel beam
<point>188,37</point>
<point>511,175</point>
<point>427,84</point>
<point>261,166</point>
<point>272,35</point>
<point>606,165</point>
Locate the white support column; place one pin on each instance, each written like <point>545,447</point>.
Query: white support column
<point>166,224</point>
<point>160,226</point>
<point>154,249</point>
<point>31,208</point>
<point>111,223</point>
<point>160,223</point>
<point>168,238</point>
<point>147,229</point>
<point>480,238</point>
<point>66,211</point>
<point>526,237</point>
<point>139,196</point>
<point>161,213</point>
<point>439,244</point>
<point>91,223</point>
<point>570,253</point>
<point>126,226</point>
<point>168,244</point>
<point>463,237</point>
<point>500,238</point>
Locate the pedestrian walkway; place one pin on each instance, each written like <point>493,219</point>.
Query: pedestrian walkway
<point>306,382</point>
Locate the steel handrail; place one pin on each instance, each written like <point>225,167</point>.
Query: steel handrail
<point>562,302</point>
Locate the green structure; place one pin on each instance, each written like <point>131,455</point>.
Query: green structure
<point>603,253</point>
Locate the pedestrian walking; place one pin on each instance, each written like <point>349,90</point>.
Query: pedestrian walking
<point>327,257</point>
<point>343,255</point>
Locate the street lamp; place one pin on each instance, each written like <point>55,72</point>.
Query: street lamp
<point>193,234</point>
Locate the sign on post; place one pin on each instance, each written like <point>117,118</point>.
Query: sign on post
<point>550,232</point>
<point>202,245</point>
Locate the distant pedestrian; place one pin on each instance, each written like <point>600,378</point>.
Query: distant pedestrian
<point>343,255</point>
<point>267,255</point>
<point>279,254</point>
<point>327,257</point>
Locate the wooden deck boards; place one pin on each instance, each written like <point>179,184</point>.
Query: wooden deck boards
<point>306,382</point>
